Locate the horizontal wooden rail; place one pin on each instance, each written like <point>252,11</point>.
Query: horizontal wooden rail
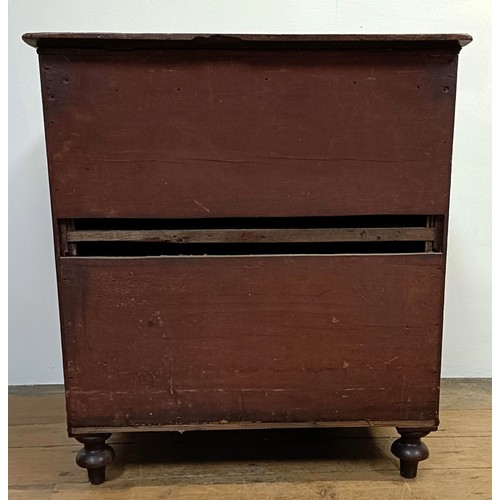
<point>257,235</point>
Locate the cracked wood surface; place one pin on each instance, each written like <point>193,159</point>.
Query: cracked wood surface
<point>257,235</point>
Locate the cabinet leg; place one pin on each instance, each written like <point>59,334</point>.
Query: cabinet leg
<point>94,456</point>
<point>410,450</point>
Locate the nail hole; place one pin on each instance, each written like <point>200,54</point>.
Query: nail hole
<point>446,90</point>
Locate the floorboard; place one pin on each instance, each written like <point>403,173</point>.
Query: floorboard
<point>339,464</point>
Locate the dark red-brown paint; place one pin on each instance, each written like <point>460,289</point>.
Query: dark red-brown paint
<point>197,126</point>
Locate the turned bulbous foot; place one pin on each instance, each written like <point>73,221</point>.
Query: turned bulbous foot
<point>410,450</point>
<point>94,456</point>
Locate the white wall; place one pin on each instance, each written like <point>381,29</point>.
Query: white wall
<point>34,347</point>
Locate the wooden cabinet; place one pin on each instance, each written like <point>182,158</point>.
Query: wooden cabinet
<point>250,231</point>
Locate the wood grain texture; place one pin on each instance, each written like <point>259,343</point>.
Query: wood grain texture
<point>438,485</point>
<point>234,339</point>
<point>466,413</point>
<point>467,394</point>
<point>240,426</point>
<point>258,235</point>
<point>249,127</point>
<point>455,423</point>
<point>350,464</point>
<point>111,41</point>
<point>50,409</point>
<point>346,486</point>
<point>214,134</point>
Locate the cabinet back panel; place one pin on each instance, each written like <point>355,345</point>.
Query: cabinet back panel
<point>227,133</point>
<point>170,340</point>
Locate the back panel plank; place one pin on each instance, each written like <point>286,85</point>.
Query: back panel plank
<point>234,339</point>
<point>258,235</point>
<point>228,133</point>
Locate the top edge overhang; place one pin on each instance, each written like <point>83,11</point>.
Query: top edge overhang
<point>133,41</point>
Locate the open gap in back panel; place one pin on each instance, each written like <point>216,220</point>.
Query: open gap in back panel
<point>250,236</point>
<point>132,249</point>
<point>254,222</point>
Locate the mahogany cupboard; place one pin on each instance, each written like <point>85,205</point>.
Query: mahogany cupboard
<point>250,230</point>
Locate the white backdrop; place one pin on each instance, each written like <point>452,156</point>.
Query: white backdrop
<point>34,346</point>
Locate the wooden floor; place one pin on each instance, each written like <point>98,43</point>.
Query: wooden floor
<point>339,464</point>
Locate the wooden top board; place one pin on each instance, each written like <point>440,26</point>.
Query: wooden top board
<point>166,40</point>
